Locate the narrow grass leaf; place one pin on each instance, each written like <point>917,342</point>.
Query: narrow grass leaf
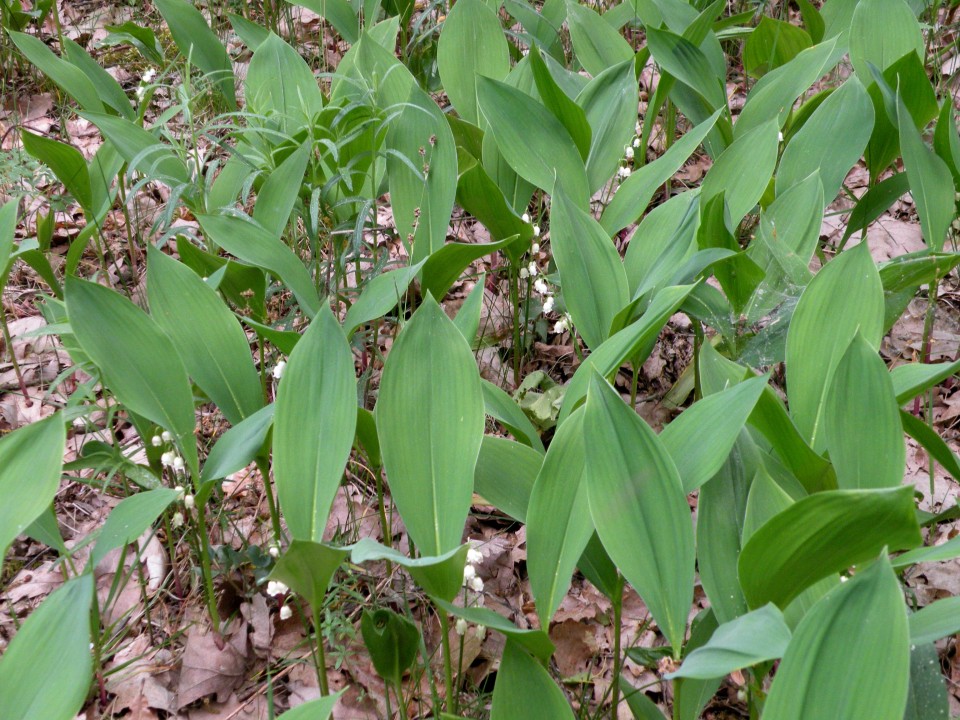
<point>430,419</point>
<point>210,340</point>
<point>54,642</point>
<point>823,534</point>
<point>850,656</point>
<point>639,508</point>
<point>314,425</point>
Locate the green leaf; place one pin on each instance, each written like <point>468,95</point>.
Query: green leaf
<point>533,142</point>
<point>814,349</point>
<point>639,508</point>
<point>862,428</point>
<point>772,44</point>
<point>67,164</point>
<point>687,63</point>
<point>30,461</point>
<point>931,183</point>
<point>320,708</point>
<point>700,439</point>
<point>208,337</point>
<point>129,519</point>
<point>69,78</point>
<point>308,567</point>
<point>340,13</point>
<point>753,638</point>
<point>881,32</point>
<point>610,104</point>
<point>831,141</point>
<point>392,641</point>
<point>468,316</point>
<point>430,417</point>
<point>597,45</point>
<point>200,44</point>
<point>142,38</point>
<point>743,171</point>
<point>937,620</point>
<point>823,534</point>
<point>634,194</point>
<point>239,445</point>
<point>314,425</point>
<point>278,195</point>
<point>504,409</point>
<point>525,690</point>
<point>472,44</point>
<point>931,441</point>
<point>138,361</point>
<point>558,521</point>
<point>256,246</point>
<point>505,475</point>
<point>479,195</point>
<point>54,642</point>
<point>536,642</point>
<point>875,202</point>
<point>379,296</point>
<point>838,664</point>
<point>280,84</point>
<point>107,87</point>
<point>445,266</point>
<point>927,698</point>
<point>572,116</point>
<point>591,273</point>
<point>440,577</point>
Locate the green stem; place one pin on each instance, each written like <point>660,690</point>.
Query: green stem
<point>515,302</point>
<point>617,626</point>
<point>317,611</point>
<point>451,703</point>
<point>925,357</point>
<point>271,501</point>
<point>205,568</point>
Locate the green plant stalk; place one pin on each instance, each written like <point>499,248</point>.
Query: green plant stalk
<point>617,602</point>
<point>515,303</point>
<point>697,344</point>
<point>928,321</point>
<point>13,359</point>
<point>321,653</point>
<point>205,567</point>
<point>382,511</point>
<point>271,500</point>
<point>451,704</point>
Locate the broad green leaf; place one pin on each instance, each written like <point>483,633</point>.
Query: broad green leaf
<point>831,141</point>
<point>814,348</point>
<point>533,641</point>
<point>556,100</point>
<point>591,273</point>
<point>136,358</point>
<point>691,695</point>
<point>558,523</point>
<point>471,44</point>
<point>479,195</point>
<point>946,140</point>
<point>743,171</point>
<point>392,641</point>
<point>54,642</point>
<point>30,461</point>
<point>210,341</point>
<point>633,341</point>
<point>850,656</point>
<point>937,620</point>
<point>320,708</point>
<point>141,149</point>
<point>634,194</point>
<point>142,38</point>
<point>927,698</point>
<point>107,87</point>
<point>239,446</point>
<point>596,44</point>
<point>665,240</point>
<point>69,77</point>
<point>505,475</point>
<point>445,266</point>
<point>639,508</point>
<point>823,534</point>
<point>129,519</point>
<point>67,164</point>
<point>862,427</point>
<point>308,567</point>
<point>504,409</point>
<point>468,316</point>
<point>440,576</point>
<point>687,63</point>
<point>753,638</point>
<point>777,91</point>
<point>772,44</point>
<point>314,425</point>
<point>525,690</point>
<point>533,142</point>
<point>200,44</point>
<point>430,419</point>
<point>258,247</point>
<point>340,13</point>
<point>380,295</point>
<point>277,197</point>
<point>881,32</point>
<point>702,437</point>
<point>8,228</point>
<point>931,183</point>
<point>933,553</point>
<point>610,104</point>
<point>875,202</point>
<point>931,441</point>
<point>280,83</point>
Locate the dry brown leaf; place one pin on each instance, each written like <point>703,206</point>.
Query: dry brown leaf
<point>211,664</point>
<point>141,681</point>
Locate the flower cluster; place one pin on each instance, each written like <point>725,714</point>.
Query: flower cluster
<point>470,577</point>
<point>145,81</point>
<point>278,369</point>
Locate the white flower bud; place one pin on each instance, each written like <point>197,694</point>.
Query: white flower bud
<point>178,465</point>
<point>275,587</point>
<point>156,441</point>
<point>525,217</point>
<point>481,632</point>
<point>461,627</point>
<point>540,285</point>
<point>548,305</point>
<point>638,128</point>
<point>274,550</point>
<point>149,75</point>
<point>532,269</point>
<point>524,273</point>
<point>469,573</point>
<point>189,502</point>
<point>629,153</point>
<point>166,436</point>
<point>535,248</point>
<point>474,556</point>
<point>177,520</point>
<point>167,458</point>
<point>623,172</point>
<point>636,142</point>
<point>179,490</point>
<point>286,613</point>
<point>561,326</point>
<point>476,584</point>
<point>279,368</point>
<point>536,231</point>
<point>779,137</point>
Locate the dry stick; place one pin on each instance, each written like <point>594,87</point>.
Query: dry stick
<point>13,359</point>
